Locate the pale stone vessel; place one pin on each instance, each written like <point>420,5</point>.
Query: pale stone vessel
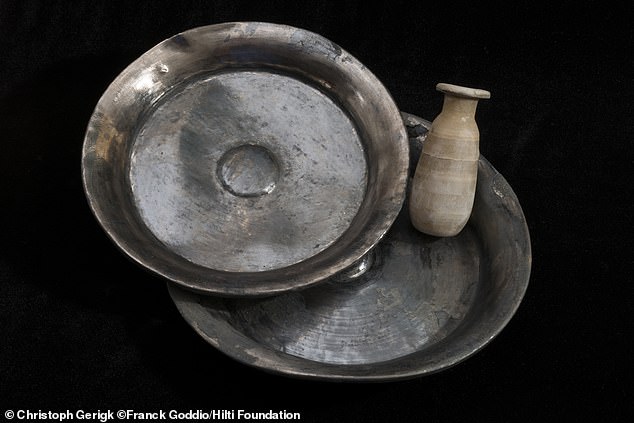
<point>445,179</point>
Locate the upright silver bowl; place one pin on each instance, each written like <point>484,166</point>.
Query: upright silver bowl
<point>245,159</point>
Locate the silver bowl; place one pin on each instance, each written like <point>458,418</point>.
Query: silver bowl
<point>422,305</point>
<point>245,159</point>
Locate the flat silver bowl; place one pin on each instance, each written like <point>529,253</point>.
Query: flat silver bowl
<point>246,159</point>
<point>425,303</point>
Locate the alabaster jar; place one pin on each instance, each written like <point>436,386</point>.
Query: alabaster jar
<point>444,183</point>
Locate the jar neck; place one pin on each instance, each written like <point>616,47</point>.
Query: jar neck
<point>461,106</point>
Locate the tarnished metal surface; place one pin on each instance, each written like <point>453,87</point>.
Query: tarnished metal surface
<point>424,304</point>
<point>246,159</point>
<point>228,174</point>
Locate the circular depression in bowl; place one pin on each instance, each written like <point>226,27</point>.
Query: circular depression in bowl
<point>245,159</point>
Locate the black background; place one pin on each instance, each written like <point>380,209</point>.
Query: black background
<point>82,327</point>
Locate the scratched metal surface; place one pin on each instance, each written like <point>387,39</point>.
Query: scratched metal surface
<point>246,159</point>
<point>248,171</point>
<point>422,305</point>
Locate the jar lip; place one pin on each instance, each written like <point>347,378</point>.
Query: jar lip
<point>460,91</point>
